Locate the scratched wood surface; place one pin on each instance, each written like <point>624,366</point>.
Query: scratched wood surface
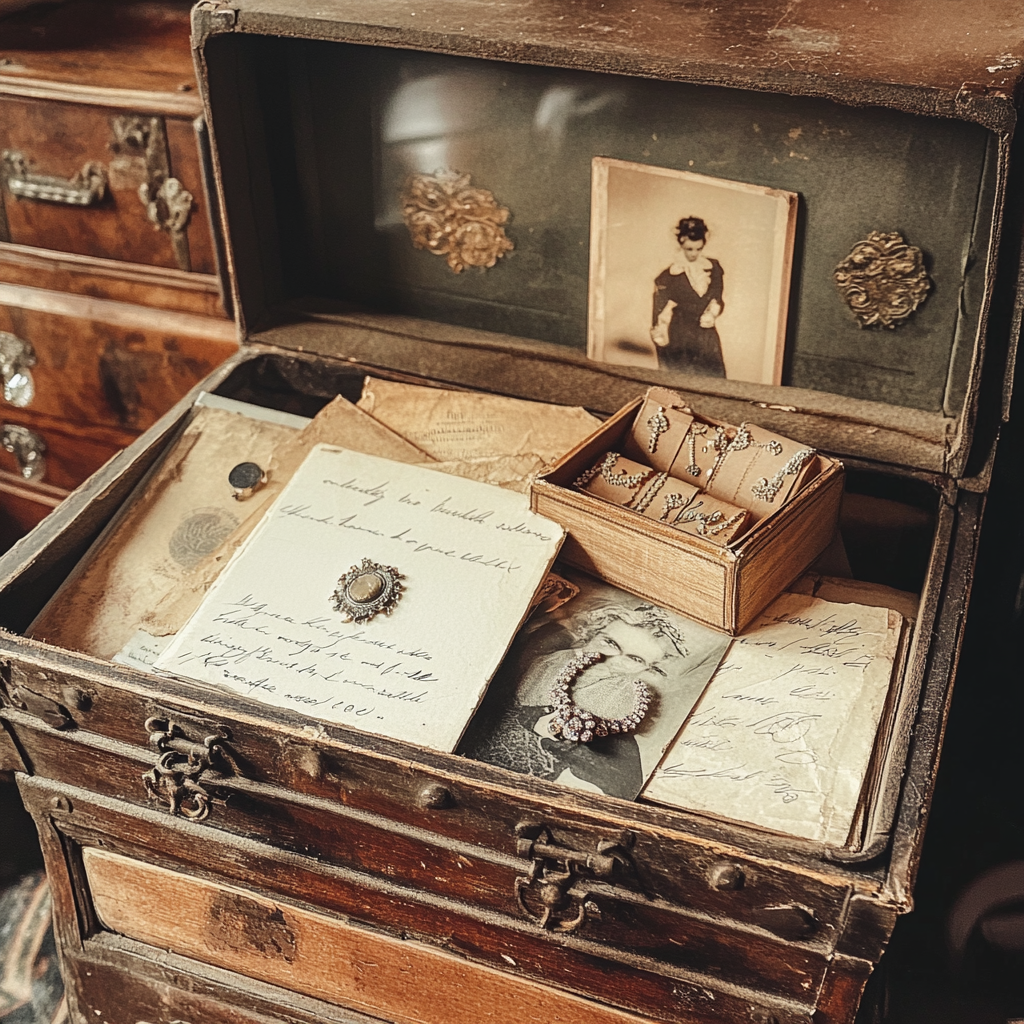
<point>112,364</point>
<point>58,138</point>
<point>102,51</point>
<point>136,283</point>
<point>400,979</point>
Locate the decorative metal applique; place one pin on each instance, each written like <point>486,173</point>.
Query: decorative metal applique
<point>883,280</point>
<point>366,590</point>
<point>447,216</point>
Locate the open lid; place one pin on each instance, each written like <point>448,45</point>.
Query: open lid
<point>895,120</point>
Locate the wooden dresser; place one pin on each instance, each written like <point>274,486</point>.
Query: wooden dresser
<point>111,303</point>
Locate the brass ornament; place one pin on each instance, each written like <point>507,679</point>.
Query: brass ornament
<point>883,280</point>
<point>367,589</point>
<point>447,216</point>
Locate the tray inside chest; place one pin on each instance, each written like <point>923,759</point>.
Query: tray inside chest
<point>316,142</point>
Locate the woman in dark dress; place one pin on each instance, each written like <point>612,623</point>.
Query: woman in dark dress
<point>687,302</point>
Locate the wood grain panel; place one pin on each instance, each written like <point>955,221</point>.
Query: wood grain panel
<point>317,955</point>
<point>23,505</point>
<point>117,375</point>
<point>453,893</point>
<point>73,454</point>
<point>103,51</point>
<point>59,139</point>
<point>138,283</point>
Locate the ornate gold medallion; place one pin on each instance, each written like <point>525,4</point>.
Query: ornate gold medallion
<point>366,590</point>
<point>883,280</point>
<point>447,216</point>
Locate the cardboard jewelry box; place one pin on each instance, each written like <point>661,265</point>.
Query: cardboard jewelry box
<point>339,876</point>
<point>720,585</point>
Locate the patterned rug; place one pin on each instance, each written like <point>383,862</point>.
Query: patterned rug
<point>31,990</point>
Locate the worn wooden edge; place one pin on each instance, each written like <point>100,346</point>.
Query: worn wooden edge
<point>587,45</point>
<point>118,314</point>
<point>180,104</point>
<point>88,820</point>
<point>589,811</point>
<point>33,258</point>
<point>552,373</point>
<point>11,758</point>
<point>941,658</point>
<point>119,885</point>
<point>194,992</point>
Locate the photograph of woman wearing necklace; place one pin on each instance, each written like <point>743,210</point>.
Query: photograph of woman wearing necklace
<point>687,302</point>
<point>719,255</point>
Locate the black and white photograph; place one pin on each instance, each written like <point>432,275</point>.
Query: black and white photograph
<point>689,272</point>
<point>640,645</point>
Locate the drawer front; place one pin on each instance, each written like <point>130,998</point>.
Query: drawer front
<point>72,176</point>
<point>52,456</point>
<point>342,937</point>
<point>105,363</point>
<point>118,981</point>
<point>279,781</point>
<point>23,505</point>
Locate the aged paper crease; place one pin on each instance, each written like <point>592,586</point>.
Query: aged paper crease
<point>456,426</point>
<point>184,512</point>
<point>471,559</point>
<point>782,737</point>
<point>339,422</point>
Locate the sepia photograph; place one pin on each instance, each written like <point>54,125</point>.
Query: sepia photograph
<point>671,656</point>
<point>689,272</point>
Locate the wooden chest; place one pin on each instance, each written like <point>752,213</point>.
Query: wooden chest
<point>113,314</point>
<point>339,876</point>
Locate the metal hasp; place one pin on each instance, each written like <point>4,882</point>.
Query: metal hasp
<point>16,358</point>
<point>550,893</point>
<point>168,204</point>
<point>86,188</point>
<point>178,778</point>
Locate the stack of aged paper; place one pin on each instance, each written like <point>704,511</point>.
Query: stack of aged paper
<point>784,735</point>
<point>470,558</point>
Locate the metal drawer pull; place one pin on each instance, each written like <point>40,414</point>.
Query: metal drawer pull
<point>16,356</point>
<point>27,447</point>
<point>169,206</point>
<point>177,779</point>
<point>86,188</point>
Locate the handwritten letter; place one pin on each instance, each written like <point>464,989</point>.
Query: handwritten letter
<point>782,737</point>
<point>472,557</point>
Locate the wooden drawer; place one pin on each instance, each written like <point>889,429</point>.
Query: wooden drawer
<point>52,147</point>
<point>71,454</point>
<point>459,875</point>
<point>253,910</point>
<point>23,505</point>
<point>110,363</point>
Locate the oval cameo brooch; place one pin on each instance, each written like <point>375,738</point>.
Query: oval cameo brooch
<point>366,590</point>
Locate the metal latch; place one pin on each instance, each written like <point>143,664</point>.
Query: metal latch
<point>553,891</point>
<point>179,777</point>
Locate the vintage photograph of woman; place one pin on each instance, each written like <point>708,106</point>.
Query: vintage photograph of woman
<point>688,299</point>
<point>689,273</point>
<point>672,657</point>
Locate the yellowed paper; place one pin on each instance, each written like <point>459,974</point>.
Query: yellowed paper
<point>471,558</point>
<point>185,512</point>
<point>340,423</point>
<point>783,735</point>
<point>513,472</point>
<point>455,426</point>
